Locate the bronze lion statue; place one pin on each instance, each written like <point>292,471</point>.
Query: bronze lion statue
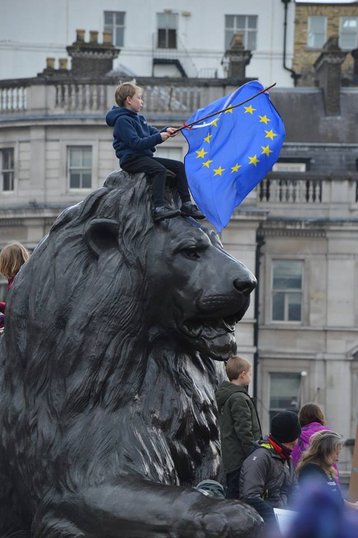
<point>109,363</point>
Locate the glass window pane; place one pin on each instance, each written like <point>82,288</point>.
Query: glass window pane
<point>252,22</point>
<point>229,21</point>
<point>161,20</point>
<point>287,274</point>
<point>284,391</point>
<point>120,18</point>
<point>86,180</point>
<point>75,180</point>
<point>294,307</point>
<point>75,157</point>
<point>108,17</point>
<point>161,38</point>
<point>8,181</point>
<point>278,306</point>
<point>172,39</point>
<point>240,22</point>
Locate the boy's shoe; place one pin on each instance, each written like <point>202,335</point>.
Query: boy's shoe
<point>191,210</point>
<point>163,212</point>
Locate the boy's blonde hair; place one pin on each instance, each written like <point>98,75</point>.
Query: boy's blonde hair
<point>124,90</point>
<point>12,257</point>
<point>235,366</point>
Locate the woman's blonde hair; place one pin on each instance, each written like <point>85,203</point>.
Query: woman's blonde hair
<point>12,257</point>
<point>321,446</point>
<point>124,90</point>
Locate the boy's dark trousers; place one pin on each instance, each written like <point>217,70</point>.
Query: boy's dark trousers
<point>232,484</point>
<point>156,168</point>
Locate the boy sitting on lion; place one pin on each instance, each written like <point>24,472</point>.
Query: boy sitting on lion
<point>134,142</point>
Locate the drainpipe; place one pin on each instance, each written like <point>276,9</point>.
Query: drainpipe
<point>259,244</point>
<point>294,75</point>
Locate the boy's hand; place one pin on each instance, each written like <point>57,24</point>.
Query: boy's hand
<point>172,131</point>
<point>165,135</point>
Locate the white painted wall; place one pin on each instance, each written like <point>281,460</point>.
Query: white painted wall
<point>32,30</point>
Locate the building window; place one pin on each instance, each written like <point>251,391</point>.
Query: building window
<point>167,30</point>
<point>285,392</point>
<point>246,25</point>
<point>348,33</point>
<point>287,276</point>
<point>80,167</point>
<point>317,31</point>
<point>114,23</point>
<point>7,169</point>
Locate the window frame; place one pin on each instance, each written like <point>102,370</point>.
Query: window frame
<point>309,22</point>
<point>287,292</point>
<point>341,19</point>
<point>82,169</point>
<point>246,31</point>
<point>113,27</point>
<point>9,170</point>
<point>170,33</point>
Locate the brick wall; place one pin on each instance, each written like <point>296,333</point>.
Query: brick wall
<point>304,57</point>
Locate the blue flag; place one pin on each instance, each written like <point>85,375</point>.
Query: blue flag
<point>231,152</point>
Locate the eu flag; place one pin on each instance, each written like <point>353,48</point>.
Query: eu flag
<point>231,152</point>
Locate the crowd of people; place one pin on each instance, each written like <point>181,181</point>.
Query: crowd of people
<point>296,461</point>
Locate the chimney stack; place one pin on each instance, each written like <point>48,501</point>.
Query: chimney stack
<point>238,58</point>
<point>328,72</point>
<point>92,59</point>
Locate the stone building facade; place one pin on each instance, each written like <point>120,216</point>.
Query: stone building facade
<point>297,231</point>
<point>314,24</point>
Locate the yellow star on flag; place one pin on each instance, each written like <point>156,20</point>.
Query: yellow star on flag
<point>270,134</point>
<point>207,163</point>
<point>215,122</point>
<point>253,160</point>
<point>266,150</point>
<point>219,171</point>
<point>229,109</point>
<point>264,119</point>
<point>207,138</point>
<point>236,167</point>
<point>201,153</point>
<point>249,109</point>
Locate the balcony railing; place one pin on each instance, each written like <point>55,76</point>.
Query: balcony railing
<point>303,190</point>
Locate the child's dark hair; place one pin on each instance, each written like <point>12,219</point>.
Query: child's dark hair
<point>12,257</point>
<point>235,366</point>
<point>124,90</point>
<point>310,412</point>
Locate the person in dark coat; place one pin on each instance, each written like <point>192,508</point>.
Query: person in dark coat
<point>267,476</point>
<point>239,422</point>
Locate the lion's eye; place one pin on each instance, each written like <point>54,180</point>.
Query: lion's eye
<point>191,253</point>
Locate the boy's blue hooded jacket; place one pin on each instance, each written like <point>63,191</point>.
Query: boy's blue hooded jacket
<point>132,135</point>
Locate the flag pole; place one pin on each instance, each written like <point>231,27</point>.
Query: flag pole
<point>230,107</point>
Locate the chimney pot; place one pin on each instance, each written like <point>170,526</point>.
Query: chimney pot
<point>93,36</point>
<point>50,63</point>
<point>80,36</point>
<point>107,38</point>
<point>63,63</point>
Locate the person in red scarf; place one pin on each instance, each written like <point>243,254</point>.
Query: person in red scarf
<point>267,475</point>
<point>12,257</point>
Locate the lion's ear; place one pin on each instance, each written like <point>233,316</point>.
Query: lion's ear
<point>101,235</point>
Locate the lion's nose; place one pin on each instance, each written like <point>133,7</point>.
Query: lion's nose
<point>245,286</point>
